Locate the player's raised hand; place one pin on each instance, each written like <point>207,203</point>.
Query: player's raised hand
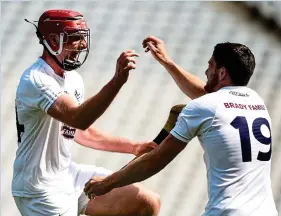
<point>124,64</point>
<point>157,48</point>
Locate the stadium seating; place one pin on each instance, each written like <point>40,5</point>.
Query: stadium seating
<point>190,30</point>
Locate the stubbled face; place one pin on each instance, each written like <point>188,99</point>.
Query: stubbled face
<point>73,46</point>
<point>212,74</point>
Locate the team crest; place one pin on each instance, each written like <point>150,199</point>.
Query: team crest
<point>67,132</point>
<point>78,96</point>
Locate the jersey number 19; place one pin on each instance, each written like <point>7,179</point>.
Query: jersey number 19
<point>240,123</point>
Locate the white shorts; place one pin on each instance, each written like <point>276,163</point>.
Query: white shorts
<point>74,204</point>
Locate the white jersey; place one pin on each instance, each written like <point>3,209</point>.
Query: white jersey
<point>43,159</point>
<point>233,128</point>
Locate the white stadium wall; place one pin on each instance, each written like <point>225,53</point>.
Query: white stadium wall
<point>190,30</point>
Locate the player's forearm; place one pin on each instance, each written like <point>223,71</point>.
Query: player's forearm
<point>98,140</point>
<point>138,170</point>
<point>190,85</point>
<point>89,111</point>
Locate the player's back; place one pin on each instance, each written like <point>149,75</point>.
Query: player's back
<point>237,153</point>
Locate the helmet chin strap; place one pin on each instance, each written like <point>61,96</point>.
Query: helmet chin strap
<point>66,64</point>
<point>62,65</point>
<point>70,65</point>
<point>52,55</point>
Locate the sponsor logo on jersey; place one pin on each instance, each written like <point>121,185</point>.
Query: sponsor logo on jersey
<point>77,95</point>
<point>67,132</point>
<point>245,106</point>
<point>239,94</point>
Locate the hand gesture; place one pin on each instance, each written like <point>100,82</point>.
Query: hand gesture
<point>142,148</point>
<point>157,48</point>
<point>125,63</point>
<point>96,187</point>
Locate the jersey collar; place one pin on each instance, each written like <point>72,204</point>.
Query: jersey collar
<point>233,87</point>
<point>50,70</point>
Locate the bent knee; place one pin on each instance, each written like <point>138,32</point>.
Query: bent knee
<point>155,204</point>
<point>151,204</point>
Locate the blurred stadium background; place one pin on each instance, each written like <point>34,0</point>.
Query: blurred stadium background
<point>190,30</point>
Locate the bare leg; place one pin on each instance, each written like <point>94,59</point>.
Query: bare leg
<point>132,200</point>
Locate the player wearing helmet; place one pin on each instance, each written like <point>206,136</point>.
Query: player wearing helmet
<point>51,113</point>
<point>56,27</point>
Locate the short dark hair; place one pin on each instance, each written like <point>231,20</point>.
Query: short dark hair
<point>237,59</point>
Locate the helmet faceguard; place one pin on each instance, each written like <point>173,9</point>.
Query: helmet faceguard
<point>78,55</point>
<point>71,28</point>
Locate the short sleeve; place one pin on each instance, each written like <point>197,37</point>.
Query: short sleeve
<point>39,91</point>
<point>195,119</point>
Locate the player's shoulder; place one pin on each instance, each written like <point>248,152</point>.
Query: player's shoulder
<point>34,77</point>
<point>203,105</point>
<point>206,101</point>
<point>27,77</point>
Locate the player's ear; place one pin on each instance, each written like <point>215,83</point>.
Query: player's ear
<point>223,73</point>
<point>54,40</point>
